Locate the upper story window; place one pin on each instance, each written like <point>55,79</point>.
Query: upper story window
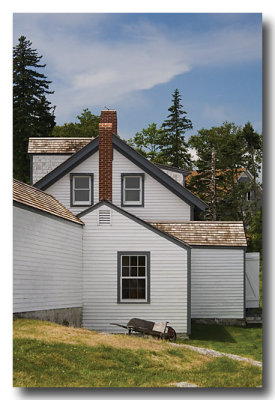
<point>81,189</point>
<point>132,190</point>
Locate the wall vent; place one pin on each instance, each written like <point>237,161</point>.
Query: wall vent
<point>104,217</point>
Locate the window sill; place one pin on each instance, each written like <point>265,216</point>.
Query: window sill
<point>133,302</point>
<point>132,205</point>
<point>82,205</point>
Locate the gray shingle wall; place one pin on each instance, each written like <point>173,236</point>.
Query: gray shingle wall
<point>43,164</point>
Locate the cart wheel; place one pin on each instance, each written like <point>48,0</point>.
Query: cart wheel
<point>171,333</point>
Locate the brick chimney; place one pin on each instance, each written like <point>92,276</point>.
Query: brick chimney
<point>111,117</point>
<point>107,126</point>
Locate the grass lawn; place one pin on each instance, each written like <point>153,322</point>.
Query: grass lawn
<point>50,355</point>
<point>245,342</point>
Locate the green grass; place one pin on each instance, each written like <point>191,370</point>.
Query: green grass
<point>69,357</point>
<point>244,341</point>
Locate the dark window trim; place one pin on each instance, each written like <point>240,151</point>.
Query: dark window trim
<point>139,174</point>
<point>31,169</point>
<point>72,175</point>
<point>148,287</point>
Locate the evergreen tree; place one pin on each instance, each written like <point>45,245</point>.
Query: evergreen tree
<point>174,146</point>
<point>86,127</point>
<point>147,142</point>
<point>220,152</point>
<point>254,146</point>
<point>33,114</point>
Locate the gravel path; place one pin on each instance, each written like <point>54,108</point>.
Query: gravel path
<point>214,353</point>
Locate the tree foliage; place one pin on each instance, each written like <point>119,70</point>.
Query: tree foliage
<point>232,154</point>
<point>147,142</point>
<point>86,127</point>
<point>255,242</point>
<point>33,114</point>
<point>254,150</point>
<point>174,147</point>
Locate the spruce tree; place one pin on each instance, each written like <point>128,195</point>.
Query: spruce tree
<point>33,114</point>
<point>174,147</point>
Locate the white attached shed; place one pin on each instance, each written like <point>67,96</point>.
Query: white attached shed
<point>217,266</point>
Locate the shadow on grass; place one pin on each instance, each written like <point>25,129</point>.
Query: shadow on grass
<point>217,333</point>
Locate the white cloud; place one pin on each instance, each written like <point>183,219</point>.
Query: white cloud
<point>86,69</point>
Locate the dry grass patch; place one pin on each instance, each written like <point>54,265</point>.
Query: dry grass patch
<point>50,332</point>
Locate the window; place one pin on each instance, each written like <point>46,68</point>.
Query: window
<point>132,190</point>
<point>81,189</point>
<point>133,277</point>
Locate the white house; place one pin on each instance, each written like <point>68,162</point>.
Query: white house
<point>104,235</point>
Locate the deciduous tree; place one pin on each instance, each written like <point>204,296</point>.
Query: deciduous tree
<point>86,127</point>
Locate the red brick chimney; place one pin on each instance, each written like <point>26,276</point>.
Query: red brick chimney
<point>111,117</point>
<point>107,126</point>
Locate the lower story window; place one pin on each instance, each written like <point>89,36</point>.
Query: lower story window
<point>133,277</point>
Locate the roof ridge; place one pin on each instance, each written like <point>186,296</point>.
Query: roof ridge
<point>61,137</point>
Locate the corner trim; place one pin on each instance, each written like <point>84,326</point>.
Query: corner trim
<point>148,286</point>
<point>31,169</point>
<point>71,189</point>
<point>244,281</point>
<point>139,174</point>
<point>189,292</point>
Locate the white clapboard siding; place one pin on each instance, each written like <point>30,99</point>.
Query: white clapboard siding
<point>217,283</point>
<point>42,164</point>
<point>47,259</point>
<point>168,274</point>
<point>61,189</point>
<point>252,280</point>
<point>160,204</point>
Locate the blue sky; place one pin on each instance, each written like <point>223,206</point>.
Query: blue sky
<point>134,62</point>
